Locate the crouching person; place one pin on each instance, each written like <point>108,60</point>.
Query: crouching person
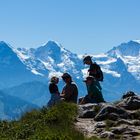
<point>70,90</point>
<point>94,92</point>
<point>53,88</point>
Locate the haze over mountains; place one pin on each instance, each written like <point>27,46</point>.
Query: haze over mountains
<point>25,73</point>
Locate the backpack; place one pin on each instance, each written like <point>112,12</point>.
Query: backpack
<point>99,74</point>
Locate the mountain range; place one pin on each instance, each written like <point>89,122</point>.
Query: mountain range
<point>25,73</point>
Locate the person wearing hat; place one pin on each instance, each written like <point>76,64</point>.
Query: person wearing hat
<point>53,88</point>
<point>94,91</point>
<point>70,90</point>
<point>94,69</point>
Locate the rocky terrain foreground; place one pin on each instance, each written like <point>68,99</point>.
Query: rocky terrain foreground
<point>118,120</point>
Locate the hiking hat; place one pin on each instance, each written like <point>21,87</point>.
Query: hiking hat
<point>66,75</point>
<point>87,58</point>
<point>88,78</point>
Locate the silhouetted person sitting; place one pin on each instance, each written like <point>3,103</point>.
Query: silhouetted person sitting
<point>94,92</point>
<point>70,90</point>
<point>53,88</point>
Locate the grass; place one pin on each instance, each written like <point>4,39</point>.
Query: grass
<point>56,123</point>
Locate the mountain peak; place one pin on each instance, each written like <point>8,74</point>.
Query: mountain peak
<point>50,46</point>
<point>137,41</point>
<point>51,42</point>
<point>5,48</point>
<point>4,44</point>
<point>131,48</point>
<point>51,49</point>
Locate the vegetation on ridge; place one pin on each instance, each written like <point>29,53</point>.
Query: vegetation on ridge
<point>56,123</point>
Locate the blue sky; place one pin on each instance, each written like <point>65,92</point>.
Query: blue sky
<point>82,26</point>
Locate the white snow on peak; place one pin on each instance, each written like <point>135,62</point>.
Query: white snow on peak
<point>109,61</point>
<point>21,55</point>
<point>48,65</point>
<point>138,41</point>
<point>99,55</point>
<point>133,65</point>
<point>114,73</point>
<point>36,73</point>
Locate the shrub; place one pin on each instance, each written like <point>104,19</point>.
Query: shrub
<point>56,123</point>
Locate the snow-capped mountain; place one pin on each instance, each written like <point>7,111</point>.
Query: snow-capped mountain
<point>49,59</point>
<point>130,55</point>
<point>12,70</point>
<point>132,48</point>
<point>120,66</point>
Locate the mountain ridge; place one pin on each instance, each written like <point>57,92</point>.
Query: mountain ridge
<point>53,59</point>
<point>28,74</point>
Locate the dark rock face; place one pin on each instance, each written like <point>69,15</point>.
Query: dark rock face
<point>107,134</point>
<point>130,103</point>
<point>112,121</point>
<point>128,94</point>
<point>111,112</point>
<point>87,111</point>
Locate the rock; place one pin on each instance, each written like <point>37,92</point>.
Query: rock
<point>135,114</point>
<point>87,111</point>
<point>107,134</point>
<point>119,120</point>
<point>120,129</point>
<point>87,106</point>
<point>123,121</point>
<point>110,112</point>
<point>87,114</point>
<point>131,132</point>
<point>128,137</point>
<point>86,126</point>
<point>125,130</point>
<point>130,102</point>
<point>100,125</point>
<point>136,122</point>
<point>113,116</point>
<point>98,130</point>
<point>128,94</point>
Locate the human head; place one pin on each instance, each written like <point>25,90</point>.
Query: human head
<point>67,78</point>
<point>87,60</point>
<point>89,80</point>
<point>54,79</point>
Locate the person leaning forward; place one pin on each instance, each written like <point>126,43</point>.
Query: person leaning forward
<point>70,90</point>
<point>94,92</point>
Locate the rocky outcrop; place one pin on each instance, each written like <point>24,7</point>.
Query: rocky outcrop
<point>130,101</point>
<point>119,120</point>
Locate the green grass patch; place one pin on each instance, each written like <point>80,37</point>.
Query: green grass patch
<point>56,123</point>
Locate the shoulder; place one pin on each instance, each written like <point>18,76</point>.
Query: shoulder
<point>51,84</point>
<point>73,85</point>
<point>95,65</point>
